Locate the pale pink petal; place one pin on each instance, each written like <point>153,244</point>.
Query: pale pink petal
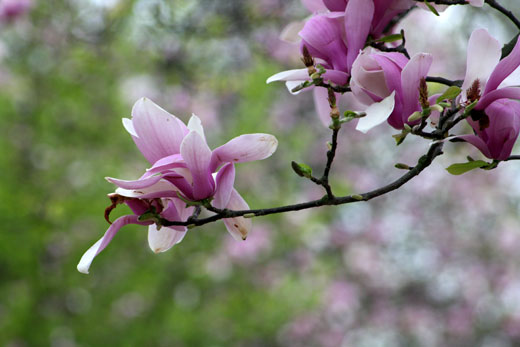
<point>476,3</point>
<point>314,5</point>
<point>244,148</point>
<point>290,32</point>
<point>321,103</point>
<point>161,240</point>
<point>197,156</point>
<point>92,252</point>
<point>376,114</point>
<point>159,134</point>
<point>195,124</point>
<point>225,180</point>
<point>238,227</point>
<point>289,75</point>
<point>293,84</point>
<point>484,53</point>
<point>161,186</point>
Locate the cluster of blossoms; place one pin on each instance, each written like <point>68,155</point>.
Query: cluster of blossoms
<point>343,50</point>
<point>391,86</point>
<point>185,174</point>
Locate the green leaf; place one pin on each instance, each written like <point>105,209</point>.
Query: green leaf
<point>431,8</point>
<point>390,38</point>
<point>450,94</point>
<point>461,168</point>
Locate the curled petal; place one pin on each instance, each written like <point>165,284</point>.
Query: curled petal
<point>244,148</point>
<point>161,186</point>
<point>238,227</point>
<point>136,184</point>
<point>92,252</point>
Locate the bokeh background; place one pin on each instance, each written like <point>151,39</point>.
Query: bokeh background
<point>433,264</point>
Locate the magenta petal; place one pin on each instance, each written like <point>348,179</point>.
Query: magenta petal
<point>197,156</point>
<point>335,5</point>
<point>159,134</point>
<point>502,93</point>
<point>238,227</point>
<point>324,39</point>
<point>165,164</point>
<point>336,76</point>
<point>504,69</point>
<point>358,19</point>
<point>244,148</point>
<point>477,142</point>
<point>92,252</point>
<point>416,69</point>
<point>225,180</point>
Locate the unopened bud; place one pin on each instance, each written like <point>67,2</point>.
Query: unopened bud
<point>357,197</point>
<point>302,170</point>
<point>437,108</point>
<point>415,116</point>
<point>402,166</point>
<point>334,112</point>
<point>191,226</point>
<point>316,76</point>
<point>332,98</point>
<point>423,94</point>
<point>307,59</point>
<point>249,215</point>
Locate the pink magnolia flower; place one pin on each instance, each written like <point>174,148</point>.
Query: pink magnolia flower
<point>490,77</point>
<point>183,168</point>
<point>388,83</point>
<point>496,141</point>
<point>11,9</point>
<point>336,38</point>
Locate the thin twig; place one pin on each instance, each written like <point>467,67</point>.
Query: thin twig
<point>425,161</point>
<point>494,4</point>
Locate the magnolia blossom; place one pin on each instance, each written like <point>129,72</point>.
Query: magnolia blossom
<point>183,169</point>
<point>11,9</point>
<point>496,139</point>
<point>487,77</point>
<point>335,38</point>
<point>389,84</point>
